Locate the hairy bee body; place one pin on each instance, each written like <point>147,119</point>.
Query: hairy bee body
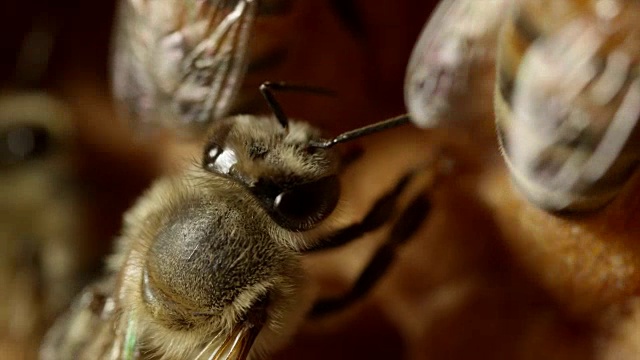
<point>566,96</point>
<point>202,275</point>
<point>202,256</point>
<point>42,262</point>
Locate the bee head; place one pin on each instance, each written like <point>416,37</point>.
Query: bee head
<point>295,183</point>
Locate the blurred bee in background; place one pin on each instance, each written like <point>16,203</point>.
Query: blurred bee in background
<point>43,262</point>
<point>183,64</point>
<point>451,66</point>
<point>566,92</point>
<point>208,264</point>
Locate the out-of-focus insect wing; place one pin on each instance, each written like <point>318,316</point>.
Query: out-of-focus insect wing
<point>91,329</point>
<point>571,140</point>
<point>454,55</point>
<point>180,63</point>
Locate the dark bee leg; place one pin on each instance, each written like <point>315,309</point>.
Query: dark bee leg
<point>377,216</point>
<point>407,225</point>
<point>267,88</point>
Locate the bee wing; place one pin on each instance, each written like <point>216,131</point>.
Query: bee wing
<point>180,63</point>
<point>454,53</point>
<point>576,103</point>
<point>90,329</point>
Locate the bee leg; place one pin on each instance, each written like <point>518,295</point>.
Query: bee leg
<point>378,215</point>
<point>407,225</point>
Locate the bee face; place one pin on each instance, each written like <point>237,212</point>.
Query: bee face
<point>294,182</point>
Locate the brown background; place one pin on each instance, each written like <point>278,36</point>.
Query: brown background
<point>488,276</point>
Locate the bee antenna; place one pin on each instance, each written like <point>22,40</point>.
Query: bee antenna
<point>267,88</point>
<point>363,131</point>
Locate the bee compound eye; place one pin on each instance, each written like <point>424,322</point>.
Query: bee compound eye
<point>23,143</point>
<point>303,206</point>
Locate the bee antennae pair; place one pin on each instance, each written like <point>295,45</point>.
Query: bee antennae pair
<point>267,88</point>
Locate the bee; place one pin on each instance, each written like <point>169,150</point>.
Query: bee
<point>40,229</point>
<point>208,263</point>
<point>181,60</point>
<point>42,264</point>
<point>450,59</point>
<point>565,97</point>
<point>184,64</point>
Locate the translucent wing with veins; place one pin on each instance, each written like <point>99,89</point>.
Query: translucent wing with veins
<point>451,66</point>
<point>571,139</point>
<point>180,63</point>
<point>566,97</point>
<point>568,100</point>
